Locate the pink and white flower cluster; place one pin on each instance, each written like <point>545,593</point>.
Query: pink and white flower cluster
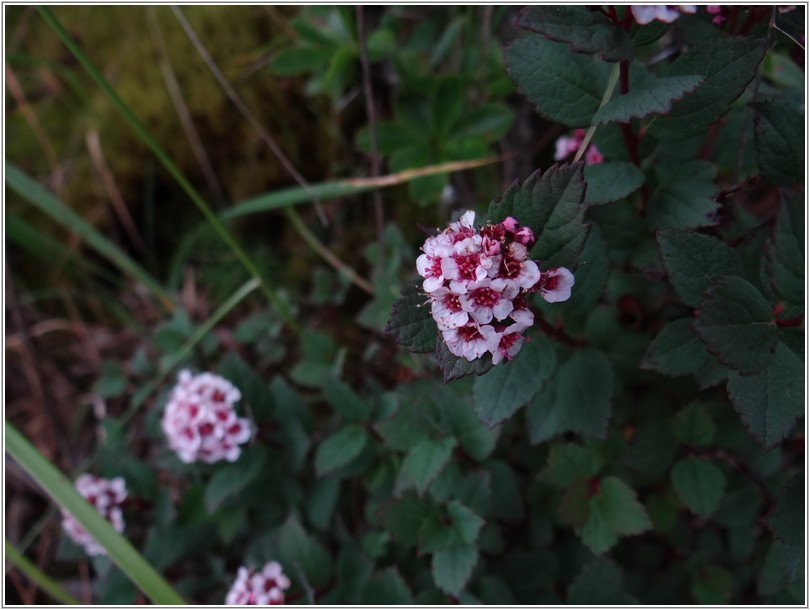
<point>106,496</point>
<point>200,421</point>
<point>253,588</point>
<point>645,13</point>
<point>566,146</point>
<point>478,280</point>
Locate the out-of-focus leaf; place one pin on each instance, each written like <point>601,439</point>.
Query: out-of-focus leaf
<point>712,585</point>
<point>568,462</point>
<point>304,554</point>
<point>424,462</point>
<point>600,582</point>
<point>345,400</point>
<point>613,512</point>
<point>786,522</point>
<point>699,484</point>
<point>386,587</point>
<point>453,567</point>
<point>232,478</point>
<point>693,425</point>
<point>785,252</point>
<point>340,448</point>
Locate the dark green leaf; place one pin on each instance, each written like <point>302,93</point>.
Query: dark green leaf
<point>728,65</point>
<point>113,380</point>
<point>565,87</point>
<point>613,512</point>
<point>693,261</point>
<point>568,462</point>
<point>453,567</point>
<point>779,139</point>
<point>785,252</point>
<point>506,488</point>
<point>454,367</point>
<point>712,586</point>
<point>345,401</point>
<point>608,182</point>
<point>577,400</point>
<point>770,402</point>
<point>424,462</point>
<point>736,324</point>
<point>685,198</point>
<point>676,350</point>
<point>256,396</point>
<point>340,448</point>
<point>575,504</point>
<point>601,582</point>
<point>499,394</point>
<point>303,555</point>
<point>300,60</point>
<point>411,323</point>
<point>386,588</point>
<point>230,479</point>
<point>591,278</point>
<point>321,501</point>
<point>693,425</point>
<point>786,521</point>
<point>406,516</point>
<point>655,96</point>
<point>447,106</point>
<point>551,205</point>
<point>490,121</point>
<point>405,429</point>
<point>699,484</point>
<point>475,438</point>
<point>585,30</point>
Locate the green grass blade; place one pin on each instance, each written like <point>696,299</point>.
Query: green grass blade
<point>46,202</point>
<point>223,310</point>
<point>14,558</point>
<point>164,158</point>
<point>61,490</point>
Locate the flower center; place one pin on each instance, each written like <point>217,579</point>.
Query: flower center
<point>551,282</point>
<point>485,297</point>
<point>452,302</point>
<point>469,333</point>
<point>467,264</point>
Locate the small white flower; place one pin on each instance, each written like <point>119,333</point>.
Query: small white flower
<point>556,284</point>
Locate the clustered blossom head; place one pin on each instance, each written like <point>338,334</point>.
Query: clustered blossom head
<point>253,588</point>
<point>477,281</point>
<point>106,496</point>
<point>200,421</point>
<point>566,146</point>
<point>644,14</point>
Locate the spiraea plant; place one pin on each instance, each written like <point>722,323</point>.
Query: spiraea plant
<point>658,433</point>
<point>575,370</point>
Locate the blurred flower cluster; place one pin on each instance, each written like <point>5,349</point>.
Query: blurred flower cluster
<point>254,588</point>
<point>106,495</point>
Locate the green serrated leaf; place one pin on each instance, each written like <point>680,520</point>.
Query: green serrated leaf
<point>475,438</point>
<point>613,512</point>
<point>453,367</point>
<point>693,425</point>
<point>411,323</point>
<point>784,259</point>
<point>499,394</point>
<point>585,30</point>
<point>779,140</point>
<point>685,198</point>
<point>611,181</point>
<point>654,96</point>
<point>551,205</point>
<point>676,350</point>
<point>406,516</point>
<point>565,87</point>
<point>453,567</point>
<point>424,462</point>
<point>405,429</point>
<point>577,400</point>
<point>693,261</point>
<point>464,521</point>
<point>736,324</point>
<point>386,587</point>
<point>345,401</point>
<point>699,484</point>
<point>601,582</point>
<point>786,522</point>
<point>340,448</point>
<point>303,555</point>
<point>591,278</point>
<point>568,462</point>
<point>230,479</point>
<point>728,64</point>
<point>770,402</point>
